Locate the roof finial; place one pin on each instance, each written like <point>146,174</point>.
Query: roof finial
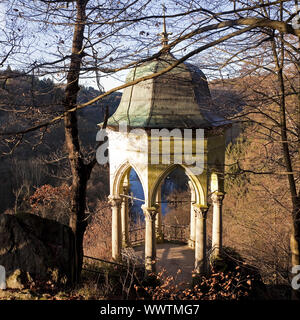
<point>164,35</point>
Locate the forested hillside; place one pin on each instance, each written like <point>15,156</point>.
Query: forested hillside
<point>256,220</point>
<point>40,158</point>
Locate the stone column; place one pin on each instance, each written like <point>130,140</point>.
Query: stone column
<point>200,243</point>
<point>217,199</point>
<point>158,220</point>
<point>124,219</point>
<point>191,241</point>
<point>150,238</point>
<point>116,240</point>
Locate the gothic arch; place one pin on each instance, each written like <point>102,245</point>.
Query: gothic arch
<point>119,175</point>
<point>200,197</point>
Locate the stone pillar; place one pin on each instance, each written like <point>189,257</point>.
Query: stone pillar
<point>200,243</point>
<point>217,199</point>
<point>124,219</point>
<point>150,238</point>
<point>191,242</point>
<point>116,240</point>
<point>158,220</point>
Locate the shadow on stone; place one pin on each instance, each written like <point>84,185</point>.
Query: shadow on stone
<point>33,248</point>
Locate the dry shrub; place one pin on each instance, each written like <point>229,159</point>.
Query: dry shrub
<point>231,285</point>
<point>52,202</point>
<point>97,238</point>
<point>257,209</point>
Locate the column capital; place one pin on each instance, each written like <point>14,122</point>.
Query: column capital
<point>114,201</point>
<point>217,197</point>
<point>125,188</point>
<point>200,211</point>
<point>150,212</point>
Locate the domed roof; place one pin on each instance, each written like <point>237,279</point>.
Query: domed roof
<point>179,98</point>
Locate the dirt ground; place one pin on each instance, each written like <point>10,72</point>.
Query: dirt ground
<point>173,257</point>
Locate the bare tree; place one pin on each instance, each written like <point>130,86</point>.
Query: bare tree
<point>87,37</point>
<point>270,68</point>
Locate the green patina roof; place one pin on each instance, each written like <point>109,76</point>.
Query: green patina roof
<point>179,98</point>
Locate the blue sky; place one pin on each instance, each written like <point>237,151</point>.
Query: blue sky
<point>2,15</point>
<point>54,41</point>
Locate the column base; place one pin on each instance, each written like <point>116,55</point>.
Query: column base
<point>217,260</point>
<point>160,238</point>
<point>200,268</point>
<point>126,244</point>
<point>150,266</point>
<point>191,243</point>
<point>216,253</point>
<point>117,259</point>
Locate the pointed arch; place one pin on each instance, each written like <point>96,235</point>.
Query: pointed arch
<point>120,174</point>
<point>200,196</point>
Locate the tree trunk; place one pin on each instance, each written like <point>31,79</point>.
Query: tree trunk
<point>294,244</point>
<point>295,232</point>
<point>80,172</point>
